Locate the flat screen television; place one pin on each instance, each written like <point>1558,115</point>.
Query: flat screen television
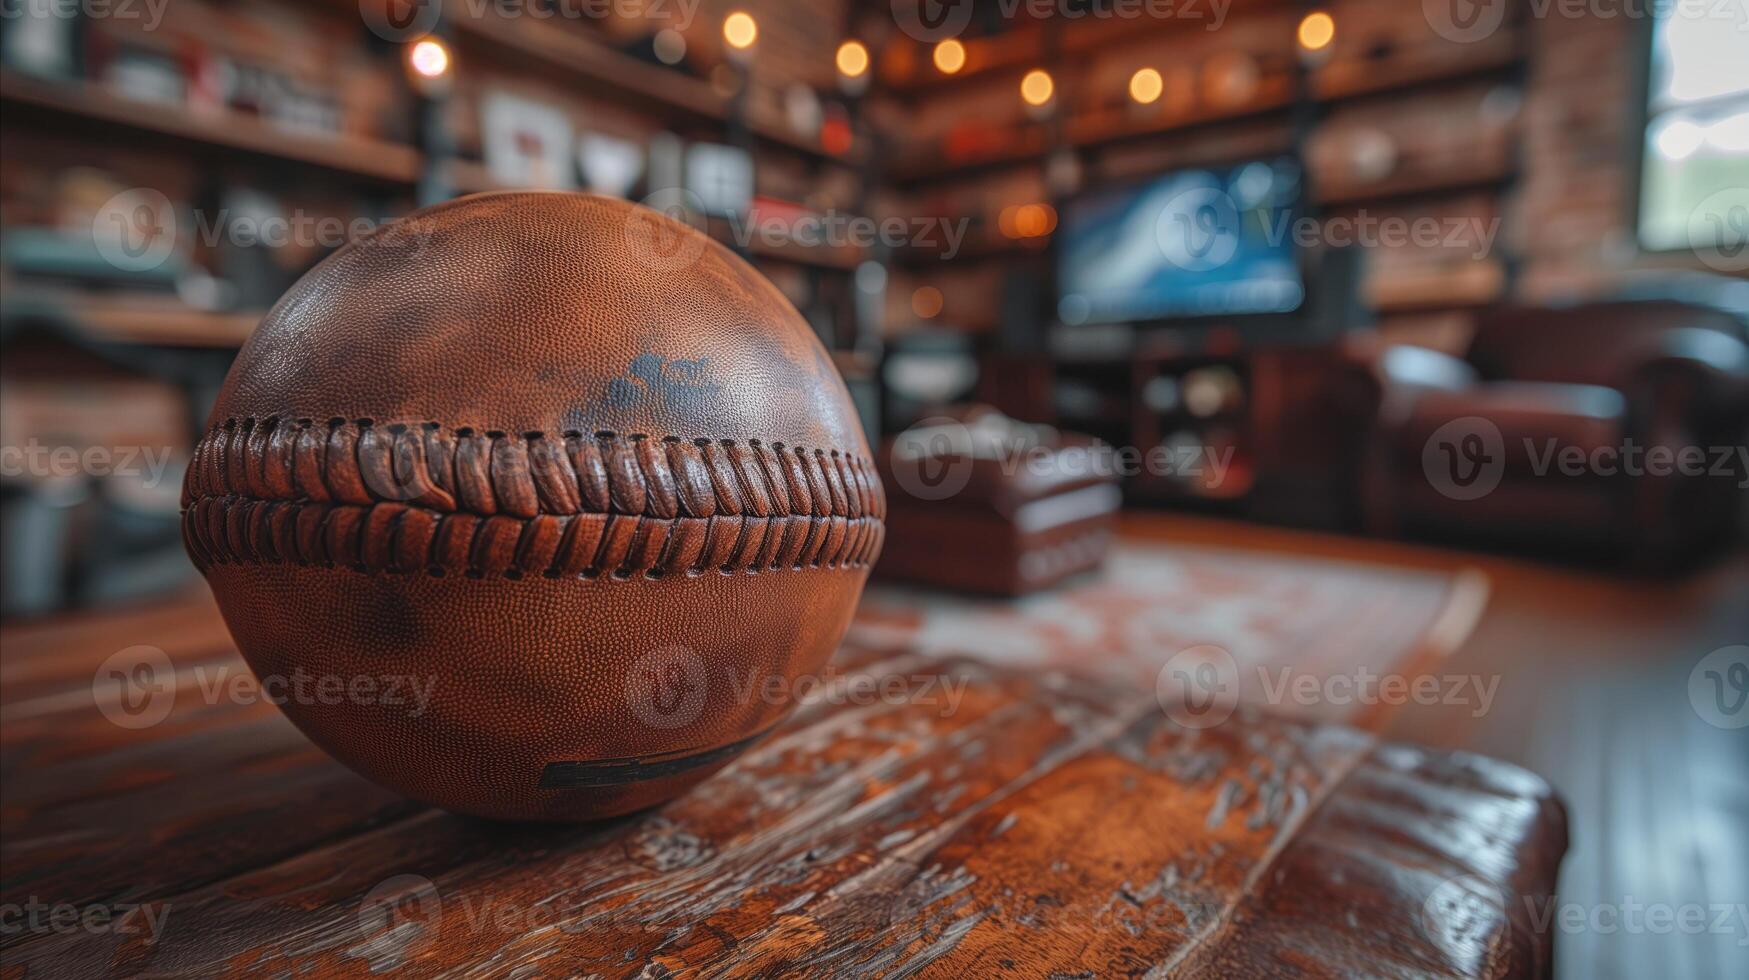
<point>1189,244</point>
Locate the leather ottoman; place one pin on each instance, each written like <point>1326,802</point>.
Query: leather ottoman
<point>995,506</point>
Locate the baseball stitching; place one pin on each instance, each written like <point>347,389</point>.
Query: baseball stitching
<point>421,497</point>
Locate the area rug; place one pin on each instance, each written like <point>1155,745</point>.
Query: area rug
<point>1319,638</point>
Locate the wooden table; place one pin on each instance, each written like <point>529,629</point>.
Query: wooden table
<point>1047,823</point>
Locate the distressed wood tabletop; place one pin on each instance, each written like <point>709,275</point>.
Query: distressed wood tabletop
<point>1043,824</point>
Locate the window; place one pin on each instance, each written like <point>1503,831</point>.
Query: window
<point>1694,178</point>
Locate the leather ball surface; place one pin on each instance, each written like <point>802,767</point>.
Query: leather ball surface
<point>534,505</point>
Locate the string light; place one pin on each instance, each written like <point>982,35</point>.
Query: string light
<point>927,302</point>
<point>1036,88</point>
<point>428,58</point>
<point>950,56</point>
<point>852,59</point>
<point>1146,85</point>
<point>740,30</point>
<point>1317,30</point>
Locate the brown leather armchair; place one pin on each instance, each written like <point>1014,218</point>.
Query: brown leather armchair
<point>1612,427</point>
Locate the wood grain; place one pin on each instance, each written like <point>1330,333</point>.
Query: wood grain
<point>1048,824</point>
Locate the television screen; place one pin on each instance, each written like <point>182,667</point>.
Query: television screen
<point>1192,243</point>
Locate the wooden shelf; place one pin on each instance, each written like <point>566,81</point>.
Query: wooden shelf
<point>627,78</point>
<point>1097,129</point>
<point>165,324</point>
<point>573,52</point>
<point>1447,286</point>
<point>837,257</point>
<point>1417,184</point>
<point>154,319</point>
<point>840,258</point>
<point>975,249</point>
<point>1023,48</point>
<point>96,104</point>
<point>1362,78</point>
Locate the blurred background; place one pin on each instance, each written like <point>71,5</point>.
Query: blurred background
<point>1451,286</point>
<point>1263,231</point>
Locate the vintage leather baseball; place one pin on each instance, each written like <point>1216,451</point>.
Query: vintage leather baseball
<point>570,471</point>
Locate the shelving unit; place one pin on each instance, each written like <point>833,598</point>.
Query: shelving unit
<point>1274,96</point>
<point>1120,141</point>
<point>91,110</point>
<point>95,104</point>
<point>630,79</point>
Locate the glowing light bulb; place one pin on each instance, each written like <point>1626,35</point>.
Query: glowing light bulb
<point>1036,88</point>
<point>950,56</point>
<point>740,30</point>
<point>1146,86</point>
<point>428,58</point>
<point>852,59</point>
<point>1317,30</point>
